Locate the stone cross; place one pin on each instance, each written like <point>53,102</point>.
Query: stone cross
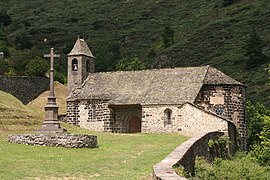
<point>51,123</point>
<point>52,56</point>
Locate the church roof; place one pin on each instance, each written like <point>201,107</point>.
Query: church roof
<point>155,86</point>
<point>216,77</point>
<point>81,48</point>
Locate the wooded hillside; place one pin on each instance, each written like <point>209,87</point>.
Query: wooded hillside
<point>231,35</point>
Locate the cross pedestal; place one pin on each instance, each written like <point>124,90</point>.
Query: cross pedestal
<point>51,123</point>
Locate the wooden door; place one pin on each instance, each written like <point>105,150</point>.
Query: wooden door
<point>135,125</point>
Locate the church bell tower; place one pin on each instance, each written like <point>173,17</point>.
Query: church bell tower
<point>81,62</point>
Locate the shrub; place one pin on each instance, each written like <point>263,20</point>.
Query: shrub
<point>11,72</point>
<point>255,117</point>
<point>37,67</point>
<point>261,150</point>
<point>168,36</point>
<point>240,167</point>
<point>226,3</point>
<point>5,19</point>
<point>218,148</point>
<point>130,64</point>
<point>255,45</point>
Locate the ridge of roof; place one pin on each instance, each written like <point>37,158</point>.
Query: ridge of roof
<point>215,77</point>
<point>81,48</point>
<point>146,70</point>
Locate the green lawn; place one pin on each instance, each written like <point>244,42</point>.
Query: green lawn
<point>119,156</point>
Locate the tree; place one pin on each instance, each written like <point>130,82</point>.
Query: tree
<point>226,3</point>
<point>108,56</point>
<point>255,115</point>
<point>254,50</point>
<point>4,43</point>
<point>5,19</point>
<point>20,58</point>
<point>167,36</point>
<point>130,64</point>
<point>37,67</point>
<point>22,41</point>
<point>262,150</point>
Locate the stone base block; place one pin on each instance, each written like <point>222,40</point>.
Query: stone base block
<point>55,139</point>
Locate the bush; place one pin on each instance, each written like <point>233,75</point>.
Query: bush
<point>37,67</point>
<point>226,3</point>
<point>5,19</point>
<point>130,64</point>
<point>255,45</point>
<point>10,72</point>
<point>167,36</point>
<point>255,117</point>
<point>240,167</point>
<point>218,148</point>
<point>261,150</point>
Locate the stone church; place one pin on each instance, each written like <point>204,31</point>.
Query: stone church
<point>186,100</point>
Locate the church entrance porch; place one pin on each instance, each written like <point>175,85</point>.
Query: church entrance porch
<point>127,118</point>
<point>135,125</point>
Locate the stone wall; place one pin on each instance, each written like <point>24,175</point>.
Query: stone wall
<point>25,89</point>
<point>55,139</point>
<point>153,119</point>
<point>187,119</point>
<point>72,113</point>
<point>90,114</point>
<point>185,155</point>
<point>227,101</point>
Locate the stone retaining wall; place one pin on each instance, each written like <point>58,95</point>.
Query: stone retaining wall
<point>55,139</point>
<point>25,89</point>
<point>185,155</point>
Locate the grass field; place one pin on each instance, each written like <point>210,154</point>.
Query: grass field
<point>118,156</point>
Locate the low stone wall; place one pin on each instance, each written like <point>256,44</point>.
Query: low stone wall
<point>185,155</point>
<point>55,139</point>
<point>25,89</point>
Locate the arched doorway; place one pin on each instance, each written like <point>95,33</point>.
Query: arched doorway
<point>135,125</point>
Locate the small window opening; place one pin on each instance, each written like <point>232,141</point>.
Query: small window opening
<point>167,117</point>
<point>74,65</point>
<point>88,65</point>
<point>219,109</point>
<point>93,111</point>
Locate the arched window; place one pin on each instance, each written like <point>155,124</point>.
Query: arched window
<point>167,117</point>
<point>88,65</point>
<point>74,65</point>
<point>93,111</point>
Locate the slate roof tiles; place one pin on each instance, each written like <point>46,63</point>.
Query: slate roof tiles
<point>148,87</point>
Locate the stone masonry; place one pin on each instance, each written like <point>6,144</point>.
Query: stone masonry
<point>186,119</point>
<point>122,117</point>
<point>186,100</point>
<point>25,89</point>
<point>184,155</point>
<point>90,114</point>
<point>55,139</point>
<point>228,102</point>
